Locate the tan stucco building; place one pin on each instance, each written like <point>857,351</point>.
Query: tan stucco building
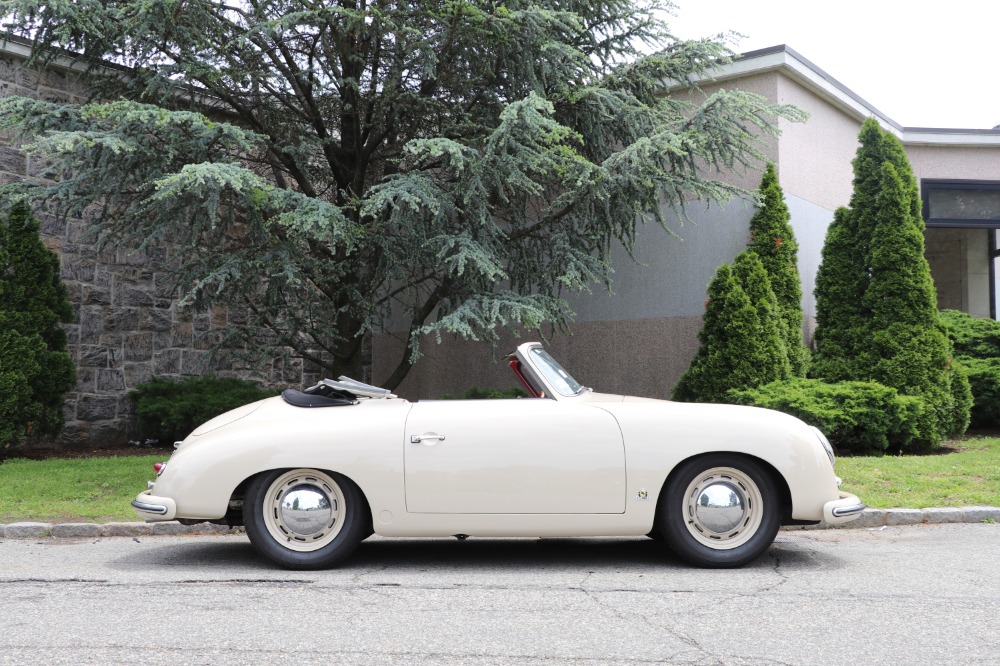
<point>640,338</point>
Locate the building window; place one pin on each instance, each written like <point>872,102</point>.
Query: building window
<point>968,204</point>
<point>961,203</point>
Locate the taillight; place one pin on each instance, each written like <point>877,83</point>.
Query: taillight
<point>159,467</point>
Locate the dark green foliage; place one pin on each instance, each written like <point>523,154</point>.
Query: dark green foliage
<point>843,315</point>
<point>451,167</point>
<point>876,303</point>
<point>169,410</point>
<point>984,379</point>
<point>476,393</point>
<point>742,345</point>
<point>977,347</point>
<point>972,337</point>
<point>35,370</point>
<point>963,398</point>
<point>855,416</point>
<point>841,325</point>
<point>772,239</point>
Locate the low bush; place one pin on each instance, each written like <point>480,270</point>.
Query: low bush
<point>855,416</point>
<point>972,337</point>
<point>984,378</point>
<point>977,350</point>
<point>169,410</point>
<point>476,393</point>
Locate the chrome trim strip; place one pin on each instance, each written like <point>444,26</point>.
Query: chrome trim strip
<point>150,508</point>
<point>842,511</point>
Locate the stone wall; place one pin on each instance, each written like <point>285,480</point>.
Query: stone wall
<point>128,324</point>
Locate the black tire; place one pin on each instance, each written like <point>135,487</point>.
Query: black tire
<point>317,536</point>
<point>733,530</point>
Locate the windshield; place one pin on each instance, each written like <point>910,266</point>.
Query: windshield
<point>554,373</point>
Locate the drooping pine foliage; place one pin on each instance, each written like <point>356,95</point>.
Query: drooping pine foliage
<point>456,165</point>
<point>742,339</point>
<point>772,239</point>
<point>35,370</point>
<point>876,304</point>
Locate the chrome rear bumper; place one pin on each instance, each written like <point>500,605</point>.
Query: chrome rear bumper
<point>154,509</point>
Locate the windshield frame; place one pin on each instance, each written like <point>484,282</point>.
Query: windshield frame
<point>557,381</point>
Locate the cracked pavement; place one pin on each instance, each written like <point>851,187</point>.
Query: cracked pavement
<point>917,594</point>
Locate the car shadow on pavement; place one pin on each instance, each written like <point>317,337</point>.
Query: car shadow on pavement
<point>402,554</point>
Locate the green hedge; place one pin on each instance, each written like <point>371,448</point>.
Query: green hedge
<point>977,348</point>
<point>855,416</point>
<point>169,410</point>
<point>984,378</point>
<point>972,337</point>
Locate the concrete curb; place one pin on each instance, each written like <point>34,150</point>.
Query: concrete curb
<point>95,530</point>
<point>876,518</point>
<point>870,518</point>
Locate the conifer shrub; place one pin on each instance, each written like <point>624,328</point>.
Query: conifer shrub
<point>984,379</point>
<point>773,241</point>
<point>977,347</point>
<point>877,316</point>
<point>964,399</point>
<point>972,336</point>
<point>742,345</point>
<point>841,326</point>
<point>855,416</point>
<point>169,410</point>
<point>35,370</point>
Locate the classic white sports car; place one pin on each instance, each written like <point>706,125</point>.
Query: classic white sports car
<point>311,474</point>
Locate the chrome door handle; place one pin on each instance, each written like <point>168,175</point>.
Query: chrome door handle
<point>426,437</point>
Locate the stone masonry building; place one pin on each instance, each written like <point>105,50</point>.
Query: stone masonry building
<point>129,325</point>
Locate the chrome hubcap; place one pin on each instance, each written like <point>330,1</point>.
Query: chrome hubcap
<point>720,507</point>
<point>723,508</point>
<point>304,509</point>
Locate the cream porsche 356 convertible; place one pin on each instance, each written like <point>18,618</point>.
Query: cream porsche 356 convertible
<point>311,474</point>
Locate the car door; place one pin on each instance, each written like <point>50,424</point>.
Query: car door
<point>527,455</point>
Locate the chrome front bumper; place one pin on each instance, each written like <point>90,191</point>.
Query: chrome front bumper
<point>154,509</point>
<point>843,510</point>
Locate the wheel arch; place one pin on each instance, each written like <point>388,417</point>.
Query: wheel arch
<point>235,511</point>
<point>784,492</point>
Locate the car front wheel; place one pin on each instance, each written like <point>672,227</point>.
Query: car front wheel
<point>304,518</point>
<point>720,510</point>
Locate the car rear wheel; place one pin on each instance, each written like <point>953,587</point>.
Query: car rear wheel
<point>304,518</point>
<point>720,510</point>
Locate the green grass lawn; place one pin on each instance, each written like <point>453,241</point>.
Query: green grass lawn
<point>100,489</point>
<point>91,490</point>
<point>967,475</point>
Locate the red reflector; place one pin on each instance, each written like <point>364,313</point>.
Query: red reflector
<point>158,467</point>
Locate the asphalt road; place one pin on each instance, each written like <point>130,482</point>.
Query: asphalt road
<point>927,594</point>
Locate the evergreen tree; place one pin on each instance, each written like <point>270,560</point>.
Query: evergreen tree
<point>842,314</point>
<point>742,345</point>
<point>841,324</point>
<point>877,306</point>
<point>772,239</point>
<point>35,370</point>
<point>450,167</point>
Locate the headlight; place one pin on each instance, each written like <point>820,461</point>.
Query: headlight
<point>825,442</point>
